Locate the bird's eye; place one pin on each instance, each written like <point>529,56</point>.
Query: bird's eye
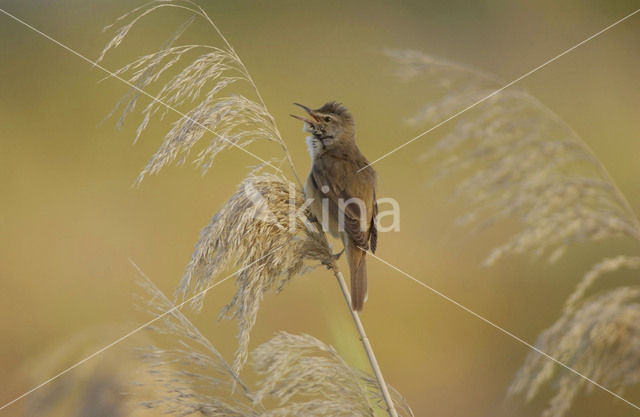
<point>327,119</point>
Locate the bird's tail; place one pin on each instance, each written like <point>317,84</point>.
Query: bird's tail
<point>358,269</point>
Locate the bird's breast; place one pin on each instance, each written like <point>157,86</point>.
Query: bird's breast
<point>313,146</point>
<point>319,207</point>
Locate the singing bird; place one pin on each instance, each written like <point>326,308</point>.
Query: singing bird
<point>342,186</point>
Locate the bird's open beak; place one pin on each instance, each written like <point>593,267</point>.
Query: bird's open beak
<point>304,119</point>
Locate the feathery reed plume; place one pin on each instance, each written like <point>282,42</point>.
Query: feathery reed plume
<point>607,266</point>
<point>298,373</point>
<point>304,367</point>
<point>373,388</point>
<point>192,375</point>
<point>601,339</point>
<point>262,217</point>
<point>260,223</point>
<point>517,159</point>
<point>599,336</point>
<point>262,229</point>
<point>301,366</point>
<point>202,73</point>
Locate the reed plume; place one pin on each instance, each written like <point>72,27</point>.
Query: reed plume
<point>264,228</point>
<point>261,231</point>
<point>600,339</point>
<point>261,225</point>
<point>202,74</point>
<point>297,374</point>
<point>514,158</point>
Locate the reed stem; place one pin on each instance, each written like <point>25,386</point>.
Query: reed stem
<point>384,389</point>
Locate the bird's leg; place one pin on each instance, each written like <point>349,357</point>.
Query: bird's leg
<point>330,263</point>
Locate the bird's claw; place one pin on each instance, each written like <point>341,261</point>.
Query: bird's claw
<point>329,263</point>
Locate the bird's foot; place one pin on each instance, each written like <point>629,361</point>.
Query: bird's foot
<point>329,263</point>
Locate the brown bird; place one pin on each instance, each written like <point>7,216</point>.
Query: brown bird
<point>342,186</point>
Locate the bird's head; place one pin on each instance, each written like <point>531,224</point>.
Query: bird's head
<point>330,125</point>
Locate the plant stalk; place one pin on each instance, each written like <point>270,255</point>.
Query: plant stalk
<point>341,282</point>
<point>365,342</point>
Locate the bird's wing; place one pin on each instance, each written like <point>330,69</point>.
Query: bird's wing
<point>334,183</point>
<point>374,229</point>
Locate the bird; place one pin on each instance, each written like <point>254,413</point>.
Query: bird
<point>342,188</point>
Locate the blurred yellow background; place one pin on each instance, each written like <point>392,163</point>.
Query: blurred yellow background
<point>70,222</point>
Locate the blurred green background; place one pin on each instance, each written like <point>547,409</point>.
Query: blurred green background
<point>70,222</point>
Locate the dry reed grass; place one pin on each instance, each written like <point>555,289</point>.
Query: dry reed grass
<point>514,158</point>
<point>600,339</point>
<point>261,231</point>
<point>297,375</point>
<point>201,74</point>
<point>260,225</point>
<point>264,229</point>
